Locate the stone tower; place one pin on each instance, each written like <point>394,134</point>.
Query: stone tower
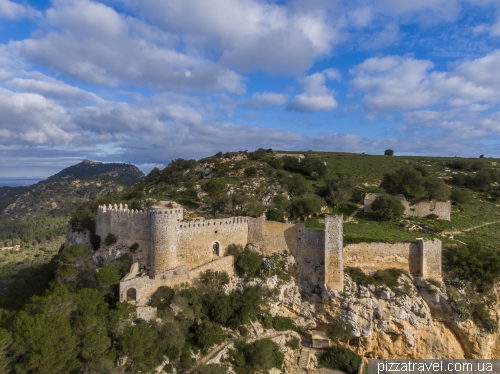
<point>334,264</point>
<point>164,238</point>
<point>430,258</point>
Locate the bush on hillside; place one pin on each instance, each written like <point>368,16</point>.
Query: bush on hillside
<point>275,215</point>
<point>339,189</point>
<point>214,187</point>
<point>250,171</point>
<point>339,331</point>
<point>246,262</point>
<point>110,239</point>
<point>388,152</point>
<point>306,206</point>
<point>341,358</point>
<point>415,182</point>
<point>388,207</point>
<point>460,197</point>
<point>476,263</point>
<point>259,356</point>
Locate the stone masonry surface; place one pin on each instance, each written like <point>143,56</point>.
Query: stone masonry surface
<point>174,251</point>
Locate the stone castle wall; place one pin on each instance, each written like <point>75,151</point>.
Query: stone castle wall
<point>422,257</point>
<point>143,287</point>
<point>442,209</point>
<point>129,226</point>
<point>178,251</point>
<point>196,239</point>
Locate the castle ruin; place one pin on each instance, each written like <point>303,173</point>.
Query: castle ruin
<point>172,250</point>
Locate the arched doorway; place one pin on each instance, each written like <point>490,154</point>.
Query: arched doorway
<point>216,248</point>
<point>131,294</point>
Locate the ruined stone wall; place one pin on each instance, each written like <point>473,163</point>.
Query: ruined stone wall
<point>75,237</point>
<point>430,258</point>
<point>129,226</point>
<point>422,257</point>
<point>196,239</point>
<point>442,209</point>
<point>371,257</point>
<point>306,245</point>
<point>145,286</point>
<point>273,237</point>
<point>334,263</point>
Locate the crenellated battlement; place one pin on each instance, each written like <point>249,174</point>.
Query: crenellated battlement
<point>121,210</point>
<point>211,223</point>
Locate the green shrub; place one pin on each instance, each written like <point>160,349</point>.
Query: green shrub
<point>339,331</point>
<point>266,320</point>
<point>110,239</point>
<point>284,324</point>
<point>246,262</point>
<point>243,331</point>
<point>214,187</point>
<point>476,263</point>
<point>359,277</point>
<point>207,334</point>
<point>388,152</point>
<point>259,356</point>
<point>460,197</point>
<point>388,207</point>
<point>306,206</point>
<point>214,279</point>
<point>162,297</point>
<point>338,189</point>
<point>251,171</point>
<point>293,343</point>
<point>275,215</point>
<point>340,358</point>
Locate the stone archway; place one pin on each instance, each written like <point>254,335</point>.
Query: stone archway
<point>216,248</point>
<point>131,294</point>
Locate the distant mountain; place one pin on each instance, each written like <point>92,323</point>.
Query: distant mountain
<point>125,172</point>
<point>60,194</point>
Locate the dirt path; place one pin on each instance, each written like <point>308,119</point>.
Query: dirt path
<point>351,217</point>
<point>458,232</point>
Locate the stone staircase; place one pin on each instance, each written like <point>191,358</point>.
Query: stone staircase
<point>303,360</point>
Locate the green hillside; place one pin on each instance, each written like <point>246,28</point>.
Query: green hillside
<point>254,183</point>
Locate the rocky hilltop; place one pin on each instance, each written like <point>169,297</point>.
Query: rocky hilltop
<point>62,193</point>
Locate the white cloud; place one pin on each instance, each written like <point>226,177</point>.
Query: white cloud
<point>49,87</point>
<point>30,118</point>
<point>407,83</point>
<point>95,44</point>
<point>248,35</point>
<point>265,100</point>
<point>317,97</point>
<point>11,10</point>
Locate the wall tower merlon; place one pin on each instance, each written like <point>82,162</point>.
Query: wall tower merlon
<point>334,264</point>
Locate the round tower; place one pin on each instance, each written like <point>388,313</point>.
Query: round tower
<point>163,239</point>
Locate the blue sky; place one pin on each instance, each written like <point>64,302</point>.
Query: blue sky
<point>146,81</point>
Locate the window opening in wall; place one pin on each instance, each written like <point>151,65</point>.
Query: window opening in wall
<point>216,231</point>
<point>131,294</point>
<point>216,249</point>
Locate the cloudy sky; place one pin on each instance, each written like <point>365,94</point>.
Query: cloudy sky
<point>146,81</point>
